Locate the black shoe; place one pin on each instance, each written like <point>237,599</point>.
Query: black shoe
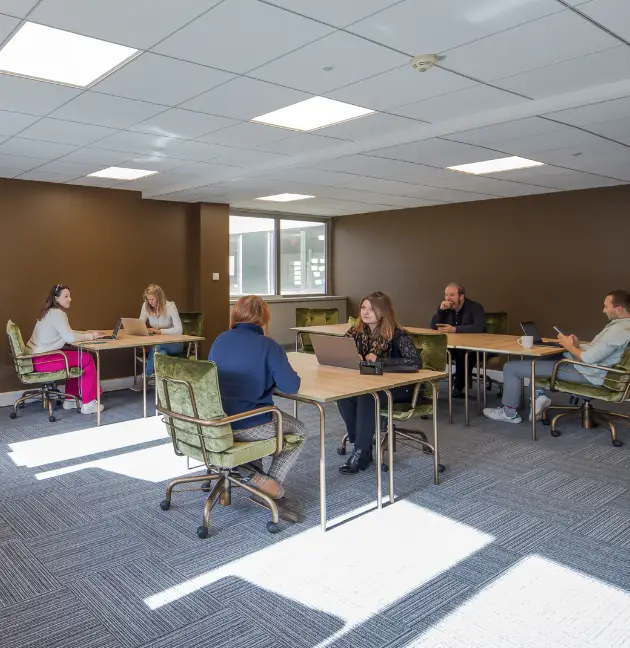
<point>458,393</point>
<point>358,461</point>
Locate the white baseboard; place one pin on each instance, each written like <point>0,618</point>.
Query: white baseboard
<point>114,384</point>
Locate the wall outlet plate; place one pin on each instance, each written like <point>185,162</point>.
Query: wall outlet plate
<point>215,276</point>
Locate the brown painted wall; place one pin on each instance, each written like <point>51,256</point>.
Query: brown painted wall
<point>107,245</point>
<point>550,258</point>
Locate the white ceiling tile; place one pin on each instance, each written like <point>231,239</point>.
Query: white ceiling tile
<point>400,87</point>
<point>11,123</point>
<point>559,37</point>
<point>105,110</point>
<point>594,69</point>
<point>594,113</point>
<point>158,181</point>
<point>139,143</point>
<point>209,172</point>
<point>415,26</point>
<point>350,57</point>
<point>244,157</point>
<point>44,176</point>
<point>479,98</point>
<point>368,126</point>
<point>139,24</point>
<point>615,170</point>
<point>19,8</point>
<point>613,14</point>
<point>334,12</point>
<point>536,144</point>
<point>245,98</point>
<point>35,148</point>
<point>95,182</point>
<point>506,131</point>
<point>74,169</point>
<point>8,173</point>
<point>19,162</point>
<point>561,178</point>
<point>185,124</point>
<point>153,163</point>
<point>161,80</point>
<point>34,97</point>
<point>196,151</point>
<point>588,153</point>
<point>616,129</point>
<point>301,143</point>
<point>96,156</point>
<point>7,24</point>
<point>66,132</point>
<point>246,135</point>
<point>240,35</point>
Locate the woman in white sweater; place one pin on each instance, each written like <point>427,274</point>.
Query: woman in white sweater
<point>162,317</point>
<point>52,331</point>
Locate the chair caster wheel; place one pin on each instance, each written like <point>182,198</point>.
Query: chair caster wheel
<point>384,467</point>
<point>52,419</point>
<point>617,443</point>
<point>544,421</point>
<point>441,468</point>
<point>555,433</point>
<point>165,505</point>
<point>202,532</point>
<point>13,415</point>
<point>205,487</point>
<point>424,417</point>
<point>273,527</point>
<point>341,450</point>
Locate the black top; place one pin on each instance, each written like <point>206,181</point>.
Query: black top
<point>470,318</point>
<point>399,352</point>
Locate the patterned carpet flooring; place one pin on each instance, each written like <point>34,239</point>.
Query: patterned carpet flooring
<point>522,544</point>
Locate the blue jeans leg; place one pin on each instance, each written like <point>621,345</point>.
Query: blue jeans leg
<point>168,349</point>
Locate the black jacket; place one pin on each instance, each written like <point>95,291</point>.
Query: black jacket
<point>471,318</point>
<point>401,351</point>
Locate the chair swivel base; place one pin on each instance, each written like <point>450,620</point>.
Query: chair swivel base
<point>48,394</point>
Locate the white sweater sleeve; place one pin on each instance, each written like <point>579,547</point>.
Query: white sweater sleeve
<point>59,321</point>
<point>173,313</point>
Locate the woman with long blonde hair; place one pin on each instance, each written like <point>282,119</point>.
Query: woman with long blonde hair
<point>162,318</point>
<point>378,336</point>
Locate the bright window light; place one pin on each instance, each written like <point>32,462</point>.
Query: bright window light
<point>55,55</point>
<point>496,166</point>
<point>308,115</point>
<point>285,197</point>
<point>120,173</point>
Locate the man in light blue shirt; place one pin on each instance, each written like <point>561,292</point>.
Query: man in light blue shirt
<point>605,350</point>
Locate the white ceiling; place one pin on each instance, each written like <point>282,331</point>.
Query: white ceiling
<point>546,79</point>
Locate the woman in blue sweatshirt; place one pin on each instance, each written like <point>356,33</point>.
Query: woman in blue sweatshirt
<point>250,366</point>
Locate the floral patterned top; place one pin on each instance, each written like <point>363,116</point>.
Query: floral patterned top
<point>399,351</point>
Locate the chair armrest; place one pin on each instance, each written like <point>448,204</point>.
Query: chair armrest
<point>576,363</point>
<point>226,420</point>
<point>30,356</point>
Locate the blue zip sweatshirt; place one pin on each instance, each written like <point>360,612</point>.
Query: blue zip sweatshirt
<point>250,365</point>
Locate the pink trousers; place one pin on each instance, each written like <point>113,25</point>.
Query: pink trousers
<point>85,387</point>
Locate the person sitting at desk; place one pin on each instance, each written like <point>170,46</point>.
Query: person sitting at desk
<point>162,318</point>
<point>457,314</point>
<point>250,366</point>
<point>378,336</point>
<point>51,333</point>
<point>606,350</point>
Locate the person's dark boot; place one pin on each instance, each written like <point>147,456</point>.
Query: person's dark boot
<point>359,460</point>
<point>458,393</point>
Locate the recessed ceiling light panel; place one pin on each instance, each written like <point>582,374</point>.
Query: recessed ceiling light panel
<point>49,54</point>
<point>496,166</point>
<point>285,197</point>
<point>311,114</point>
<point>120,173</point>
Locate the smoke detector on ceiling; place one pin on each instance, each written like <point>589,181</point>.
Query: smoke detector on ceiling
<point>422,62</point>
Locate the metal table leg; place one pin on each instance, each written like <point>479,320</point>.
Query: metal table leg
<point>298,337</point>
<point>478,384</point>
<point>533,397</point>
<point>391,441</point>
<point>98,388</point>
<point>436,453</point>
<point>379,458</point>
<point>485,381</point>
<point>449,360</point>
<point>144,380</point>
<point>467,416</point>
<point>196,351</point>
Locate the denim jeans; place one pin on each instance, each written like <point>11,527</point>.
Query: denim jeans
<point>170,349</point>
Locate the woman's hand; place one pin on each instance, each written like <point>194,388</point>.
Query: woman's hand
<point>97,334</point>
<point>153,331</point>
<point>371,357</point>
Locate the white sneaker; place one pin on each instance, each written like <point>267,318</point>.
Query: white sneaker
<point>542,401</point>
<point>91,407</point>
<point>69,404</point>
<point>498,414</point>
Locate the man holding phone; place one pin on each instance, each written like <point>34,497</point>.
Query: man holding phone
<point>457,314</point>
<point>605,350</point>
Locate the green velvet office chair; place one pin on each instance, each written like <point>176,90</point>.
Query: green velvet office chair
<point>190,400</point>
<point>192,324</point>
<point>615,389</point>
<point>435,356</point>
<point>313,317</point>
<point>43,384</point>
<point>496,324</point>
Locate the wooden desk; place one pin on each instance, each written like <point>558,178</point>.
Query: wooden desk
<point>130,342</point>
<point>322,384</point>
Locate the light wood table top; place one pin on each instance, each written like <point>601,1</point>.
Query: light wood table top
<point>325,384</point>
<point>340,329</point>
<point>129,341</point>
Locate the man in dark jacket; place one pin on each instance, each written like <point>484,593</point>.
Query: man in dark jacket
<point>457,314</point>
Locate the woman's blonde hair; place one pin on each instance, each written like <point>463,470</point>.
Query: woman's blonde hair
<point>160,307</point>
<point>384,309</point>
<point>250,310</point>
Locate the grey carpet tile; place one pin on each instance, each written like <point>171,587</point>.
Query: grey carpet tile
<point>378,630</point>
<point>116,598</point>
<point>610,526</point>
<point>54,620</point>
<point>484,565</point>
<point>7,532</point>
<point>22,576</point>
<point>22,483</point>
<point>614,473</point>
<point>84,550</point>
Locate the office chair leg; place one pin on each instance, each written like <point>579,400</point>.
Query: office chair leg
<point>51,416</point>
<point>568,411</point>
<point>342,446</point>
<point>19,403</point>
<point>602,418</point>
<point>272,526</point>
<point>165,504</point>
<point>216,493</point>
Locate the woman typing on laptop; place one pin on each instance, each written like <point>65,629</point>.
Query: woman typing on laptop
<point>378,336</point>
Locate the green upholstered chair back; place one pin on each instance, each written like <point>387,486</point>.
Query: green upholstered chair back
<point>192,323</point>
<point>352,321</point>
<point>191,388</point>
<point>432,348</point>
<point>17,347</point>
<point>497,323</point>
<point>617,382</point>
<point>314,317</point>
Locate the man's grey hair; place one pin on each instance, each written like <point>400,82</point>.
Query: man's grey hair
<point>460,289</point>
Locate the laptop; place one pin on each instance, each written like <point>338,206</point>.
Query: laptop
<point>529,328</point>
<point>336,351</point>
<point>134,326</point>
<point>114,335</point>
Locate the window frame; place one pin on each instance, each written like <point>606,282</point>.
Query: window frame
<point>277,280</point>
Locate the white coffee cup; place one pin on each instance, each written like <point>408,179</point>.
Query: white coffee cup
<point>527,341</point>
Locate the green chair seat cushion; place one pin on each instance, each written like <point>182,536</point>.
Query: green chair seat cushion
<point>39,377</point>
<point>314,317</point>
<point>403,411</point>
<point>585,391</point>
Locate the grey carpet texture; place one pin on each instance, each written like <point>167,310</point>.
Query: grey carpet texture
<point>83,552</point>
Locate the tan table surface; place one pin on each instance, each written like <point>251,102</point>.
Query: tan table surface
<point>129,341</point>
